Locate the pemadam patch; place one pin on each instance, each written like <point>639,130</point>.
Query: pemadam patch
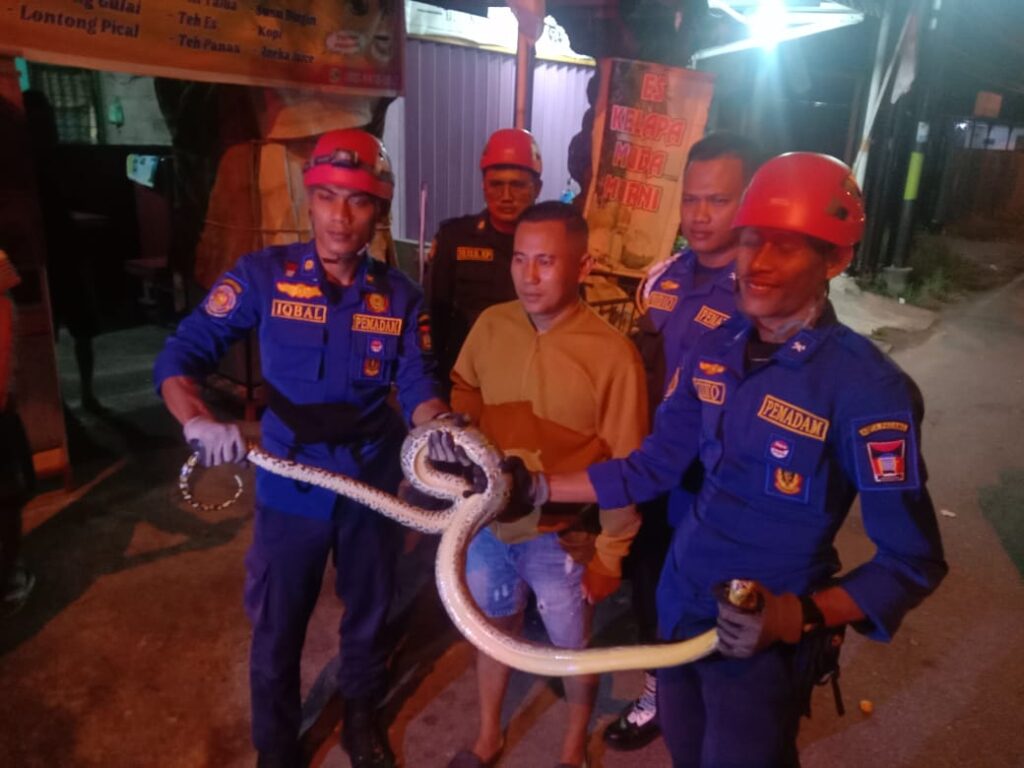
<point>710,318</point>
<point>885,451</point>
<point>786,484</point>
<point>223,298</point>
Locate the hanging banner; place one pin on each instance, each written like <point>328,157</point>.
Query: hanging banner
<point>350,47</point>
<point>647,118</point>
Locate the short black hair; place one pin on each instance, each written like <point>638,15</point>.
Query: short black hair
<point>725,144</point>
<point>555,210</point>
<point>576,228</point>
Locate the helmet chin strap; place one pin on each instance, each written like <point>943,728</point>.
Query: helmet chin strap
<point>790,326</point>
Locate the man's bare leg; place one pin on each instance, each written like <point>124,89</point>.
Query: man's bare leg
<point>580,694</point>
<point>492,683</point>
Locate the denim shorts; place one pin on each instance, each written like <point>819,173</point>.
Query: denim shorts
<point>499,577</point>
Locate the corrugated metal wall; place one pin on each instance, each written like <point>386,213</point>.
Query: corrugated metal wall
<point>455,98</point>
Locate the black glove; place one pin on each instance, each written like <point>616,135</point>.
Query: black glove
<point>765,619</point>
<point>529,489</point>
<point>445,456</point>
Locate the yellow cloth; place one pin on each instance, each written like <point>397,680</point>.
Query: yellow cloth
<point>562,399</point>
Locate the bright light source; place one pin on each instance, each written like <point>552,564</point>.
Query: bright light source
<point>768,23</point>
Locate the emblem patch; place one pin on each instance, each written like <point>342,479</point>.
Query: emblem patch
<point>885,448</point>
<point>668,285</point>
<point>389,326</point>
<point>376,346</point>
<point>780,449</point>
<point>710,318</point>
<point>793,418</point>
<point>673,384</point>
<point>298,310</point>
<point>709,391</point>
<point>711,369</point>
<point>371,367</point>
<point>888,460</point>
<point>882,426</point>
<point>223,298</point>
<point>377,302</point>
<point>786,484</point>
<point>466,253</point>
<point>290,268</point>
<point>299,290</point>
<point>663,301</point>
<point>307,265</point>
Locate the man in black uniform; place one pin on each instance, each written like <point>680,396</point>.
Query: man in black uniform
<point>471,256</point>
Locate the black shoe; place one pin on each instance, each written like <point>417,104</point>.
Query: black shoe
<point>636,727</point>
<point>361,736</point>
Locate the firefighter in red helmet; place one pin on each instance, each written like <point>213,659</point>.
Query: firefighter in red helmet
<point>471,256</point>
<point>793,416</point>
<point>337,331</point>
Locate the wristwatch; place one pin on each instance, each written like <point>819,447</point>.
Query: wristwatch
<point>813,618</point>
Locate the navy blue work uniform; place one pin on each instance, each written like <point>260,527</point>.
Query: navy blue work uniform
<point>470,270</point>
<point>329,356</point>
<point>786,446</point>
<point>684,301</point>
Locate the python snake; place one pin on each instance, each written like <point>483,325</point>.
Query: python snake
<point>457,525</point>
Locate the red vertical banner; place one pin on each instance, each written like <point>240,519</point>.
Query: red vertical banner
<point>648,117</point>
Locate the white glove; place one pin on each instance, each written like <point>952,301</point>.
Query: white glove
<point>216,442</point>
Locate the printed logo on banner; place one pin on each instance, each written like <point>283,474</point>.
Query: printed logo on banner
<point>793,418</point>
<point>710,318</point>
<point>663,301</point>
<point>709,391</point>
<point>298,310</point>
<point>389,326</point>
<point>467,253</point>
<point>223,298</point>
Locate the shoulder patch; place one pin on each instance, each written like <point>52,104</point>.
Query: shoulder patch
<point>223,297</point>
<point>423,331</point>
<point>793,418</point>
<point>885,452</point>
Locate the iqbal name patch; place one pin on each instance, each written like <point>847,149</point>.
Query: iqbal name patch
<point>791,417</point>
<point>298,310</point>
<point>389,326</point>
<point>710,318</point>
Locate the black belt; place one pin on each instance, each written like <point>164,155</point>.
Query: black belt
<point>333,423</point>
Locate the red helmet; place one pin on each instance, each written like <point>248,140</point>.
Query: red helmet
<point>512,146</point>
<point>351,158</point>
<point>804,192</point>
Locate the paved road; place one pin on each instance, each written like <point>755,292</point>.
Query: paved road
<point>133,651</point>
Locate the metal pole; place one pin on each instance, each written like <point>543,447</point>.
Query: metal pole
<point>524,83</point>
<point>896,275</point>
<point>881,51</point>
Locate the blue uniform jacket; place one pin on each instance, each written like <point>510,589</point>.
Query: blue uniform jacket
<point>320,344</point>
<point>786,448</point>
<point>678,313</point>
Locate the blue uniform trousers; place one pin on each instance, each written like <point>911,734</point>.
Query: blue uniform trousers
<point>284,573</point>
<point>732,713</point>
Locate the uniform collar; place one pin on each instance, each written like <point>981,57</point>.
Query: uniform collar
<point>685,267</point>
<point>370,276</point>
<point>795,352</point>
